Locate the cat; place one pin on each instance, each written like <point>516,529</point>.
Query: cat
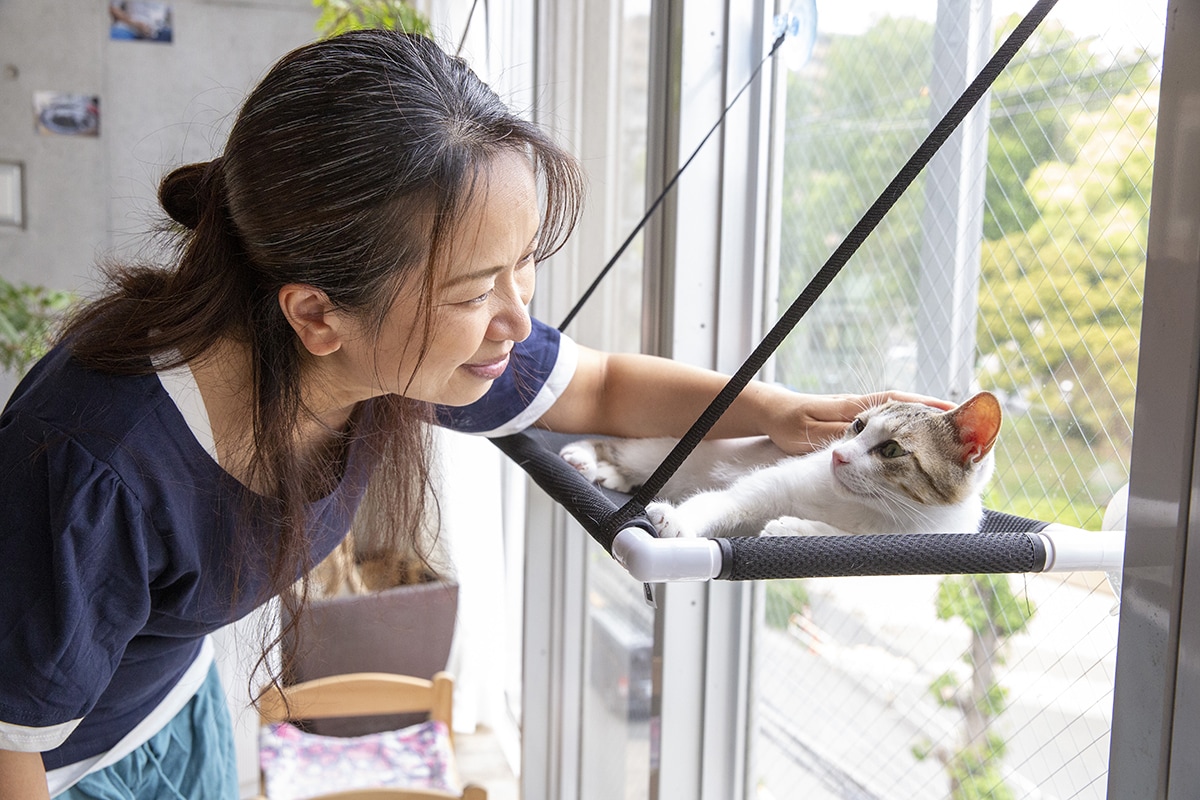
<point>898,468</point>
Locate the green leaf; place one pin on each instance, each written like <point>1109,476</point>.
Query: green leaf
<point>28,315</point>
<point>340,16</point>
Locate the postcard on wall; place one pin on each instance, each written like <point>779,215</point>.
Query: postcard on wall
<point>140,20</point>
<point>65,114</point>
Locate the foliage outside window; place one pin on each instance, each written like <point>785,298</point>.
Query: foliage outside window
<point>339,16</point>
<point>1066,206</point>
<point>27,318</point>
<point>1065,225</point>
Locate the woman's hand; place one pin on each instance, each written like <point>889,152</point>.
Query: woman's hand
<point>802,423</point>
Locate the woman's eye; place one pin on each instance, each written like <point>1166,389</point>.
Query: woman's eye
<point>891,449</point>
<point>857,426</point>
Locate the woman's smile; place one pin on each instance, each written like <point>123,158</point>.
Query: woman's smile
<point>488,370</point>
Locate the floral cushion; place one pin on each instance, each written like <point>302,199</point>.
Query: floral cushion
<point>298,765</point>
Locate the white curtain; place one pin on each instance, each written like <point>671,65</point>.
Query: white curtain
<point>472,533</point>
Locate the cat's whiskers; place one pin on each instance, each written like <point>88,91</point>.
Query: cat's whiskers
<point>898,506</point>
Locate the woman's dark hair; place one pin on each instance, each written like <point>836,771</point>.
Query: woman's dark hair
<point>347,168</point>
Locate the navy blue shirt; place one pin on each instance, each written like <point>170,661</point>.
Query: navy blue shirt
<point>117,551</point>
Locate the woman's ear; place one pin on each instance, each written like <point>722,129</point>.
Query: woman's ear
<point>312,316</point>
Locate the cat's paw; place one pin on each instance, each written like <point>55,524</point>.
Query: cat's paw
<point>585,456</point>
<point>581,456</point>
<point>666,520</point>
<point>794,526</point>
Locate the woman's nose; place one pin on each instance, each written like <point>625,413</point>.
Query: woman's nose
<point>511,321</point>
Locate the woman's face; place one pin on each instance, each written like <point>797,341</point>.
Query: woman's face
<point>483,284</point>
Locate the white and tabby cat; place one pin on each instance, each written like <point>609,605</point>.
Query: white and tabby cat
<point>899,468</point>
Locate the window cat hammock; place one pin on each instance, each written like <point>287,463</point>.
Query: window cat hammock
<point>1004,543</point>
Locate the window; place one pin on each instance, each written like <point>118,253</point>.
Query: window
<point>588,632</point>
<point>1014,264</point>
<point>618,638</point>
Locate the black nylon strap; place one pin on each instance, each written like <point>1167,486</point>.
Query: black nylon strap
<point>612,262</point>
<point>869,221</point>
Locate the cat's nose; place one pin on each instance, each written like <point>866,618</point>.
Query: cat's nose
<point>840,458</point>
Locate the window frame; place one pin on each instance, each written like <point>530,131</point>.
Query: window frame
<point>704,304</point>
<point>1156,700</point>
<point>706,50</point>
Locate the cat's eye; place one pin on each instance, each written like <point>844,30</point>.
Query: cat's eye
<point>857,426</point>
<point>891,449</point>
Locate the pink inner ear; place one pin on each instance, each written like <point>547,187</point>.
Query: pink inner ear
<point>978,423</point>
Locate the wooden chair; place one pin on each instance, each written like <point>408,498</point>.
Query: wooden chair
<point>363,694</point>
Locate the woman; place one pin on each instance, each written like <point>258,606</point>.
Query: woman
<point>358,263</point>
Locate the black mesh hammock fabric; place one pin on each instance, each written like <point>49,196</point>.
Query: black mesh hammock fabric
<point>1004,543</point>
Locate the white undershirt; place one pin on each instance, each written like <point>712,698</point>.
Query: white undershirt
<point>180,384</point>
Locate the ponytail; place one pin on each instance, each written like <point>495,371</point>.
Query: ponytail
<point>173,315</point>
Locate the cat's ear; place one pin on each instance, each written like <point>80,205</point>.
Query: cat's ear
<point>978,424</point>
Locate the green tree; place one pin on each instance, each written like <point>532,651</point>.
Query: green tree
<point>783,599</point>
<point>1060,301</point>
<point>992,613</point>
<point>851,123</point>
<point>1063,302</point>
<point>1065,218</point>
<point>339,16</point>
<point>1070,155</point>
<point>1055,70</point>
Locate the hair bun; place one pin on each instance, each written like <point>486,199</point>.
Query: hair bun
<point>184,192</point>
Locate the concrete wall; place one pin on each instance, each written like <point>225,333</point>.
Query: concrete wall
<point>160,105</point>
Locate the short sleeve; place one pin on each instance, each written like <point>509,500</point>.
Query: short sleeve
<point>74,582</point>
<point>539,371</point>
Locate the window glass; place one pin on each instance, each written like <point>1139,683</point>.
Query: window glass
<point>966,686</point>
<point>619,625</point>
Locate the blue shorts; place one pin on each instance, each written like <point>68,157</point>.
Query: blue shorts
<point>192,758</point>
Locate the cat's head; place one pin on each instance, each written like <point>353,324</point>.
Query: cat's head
<point>918,453</point>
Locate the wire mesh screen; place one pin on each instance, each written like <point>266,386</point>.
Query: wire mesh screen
<point>1015,265</point>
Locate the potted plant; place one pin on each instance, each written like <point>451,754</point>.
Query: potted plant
<point>374,611</point>
<point>27,318</point>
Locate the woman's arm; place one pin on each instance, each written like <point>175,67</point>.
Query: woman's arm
<point>22,776</point>
<point>635,395</point>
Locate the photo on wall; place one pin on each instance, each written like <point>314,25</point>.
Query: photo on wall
<point>66,114</point>
<point>140,20</point>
